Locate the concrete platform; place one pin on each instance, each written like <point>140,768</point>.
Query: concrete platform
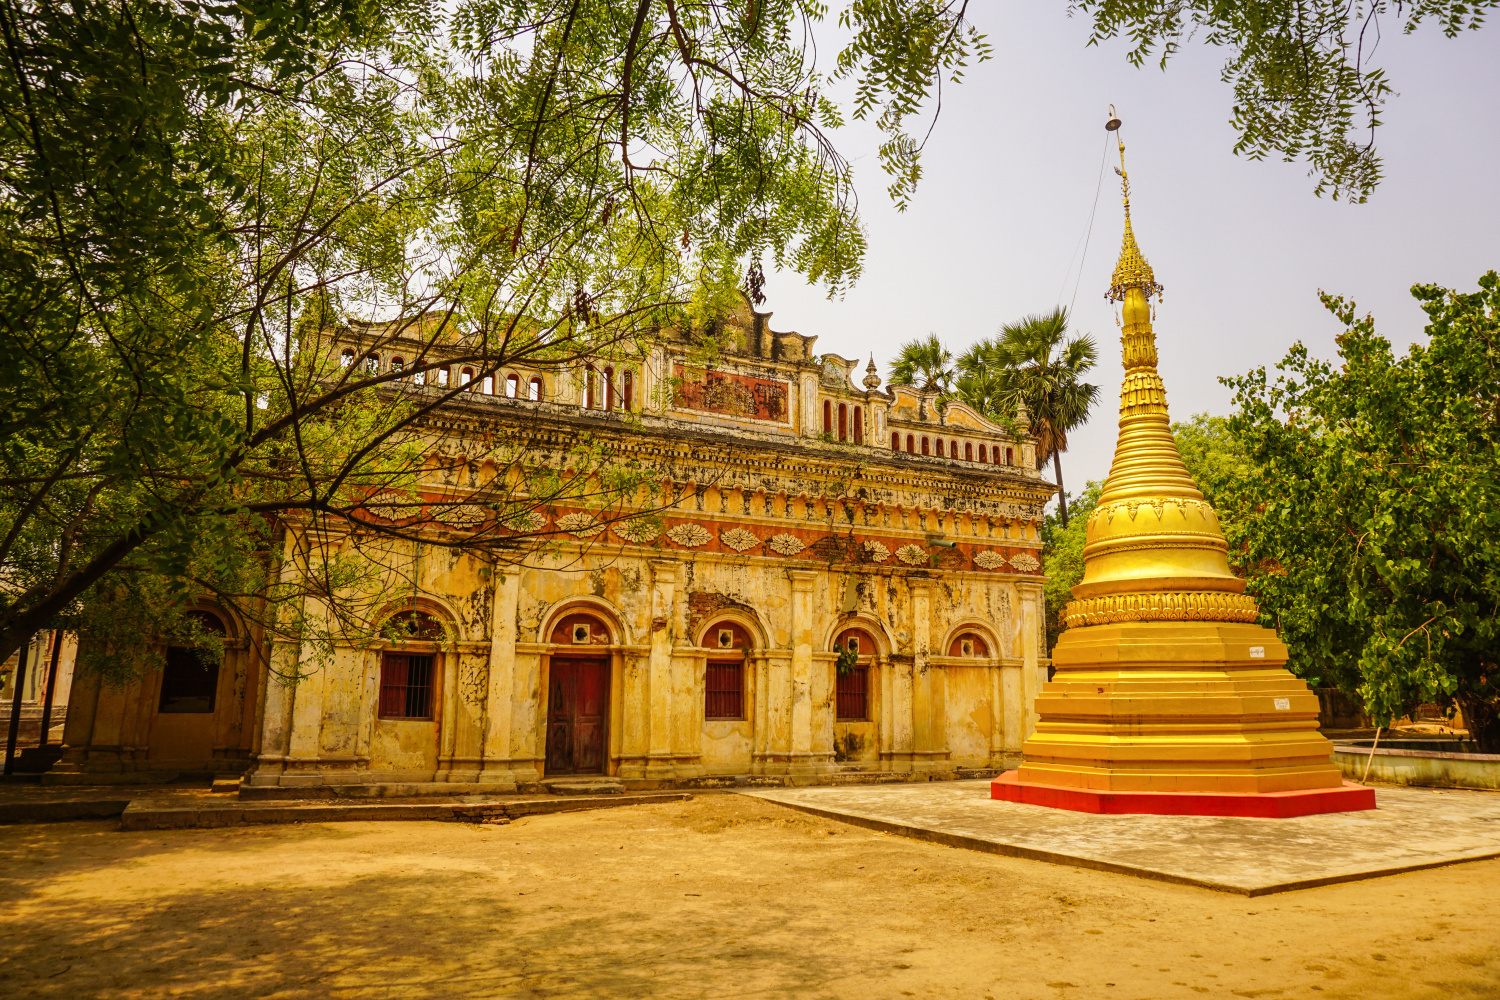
<point>1409,829</point>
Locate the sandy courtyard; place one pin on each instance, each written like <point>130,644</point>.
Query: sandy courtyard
<point>724,896</point>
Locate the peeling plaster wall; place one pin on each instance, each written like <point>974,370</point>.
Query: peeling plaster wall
<point>927,711</point>
<point>772,525</point>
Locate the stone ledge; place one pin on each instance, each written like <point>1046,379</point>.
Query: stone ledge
<point>61,811</point>
<point>1420,768</point>
<point>423,789</point>
<point>143,816</point>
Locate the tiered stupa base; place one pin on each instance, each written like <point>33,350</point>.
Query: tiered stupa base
<point>1178,718</point>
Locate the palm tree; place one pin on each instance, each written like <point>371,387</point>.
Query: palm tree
<point>980,381</point>
<point>1035,362</point>
<point>924,364</point>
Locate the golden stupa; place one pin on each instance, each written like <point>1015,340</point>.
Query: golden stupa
<point>1167,696</point>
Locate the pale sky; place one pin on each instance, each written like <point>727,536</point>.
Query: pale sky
<point>1243,248</point>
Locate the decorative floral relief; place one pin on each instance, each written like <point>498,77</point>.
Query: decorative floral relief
<point>580,524</point>
<point>691,535</point>
<point>392,506</point>
<point>739,539</point>
<point>469,515</point>
<point>1025,562</point>
<point>912,555</point>
<point>787,545</point>
<point>988,560</point>
<point>878,552</point>
<point>528,520</point>
<point>639,530</point>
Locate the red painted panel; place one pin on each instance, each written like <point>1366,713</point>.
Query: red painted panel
<point>1266,805</point>
<point>727,392</point>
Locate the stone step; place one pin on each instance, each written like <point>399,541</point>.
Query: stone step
<point>590,785</point>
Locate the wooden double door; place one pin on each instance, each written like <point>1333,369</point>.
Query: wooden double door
<point>577,706</point>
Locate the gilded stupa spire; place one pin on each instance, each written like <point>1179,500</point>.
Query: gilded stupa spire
<point>1154,548</point>
<point>1167,696</point>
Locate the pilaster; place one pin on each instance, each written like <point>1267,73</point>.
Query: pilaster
<point>498,767</point>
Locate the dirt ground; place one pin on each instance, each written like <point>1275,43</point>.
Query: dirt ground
<point>723,896</point>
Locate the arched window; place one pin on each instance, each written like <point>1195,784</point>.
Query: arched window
<point>926,445</point>
<point>372,364</point>
<point>1010,456</point>
<point>724,677</point>
<point>859,426</point>
<point>609,389</point>
<point>843,421</point>
<point>911,445</point>
<point>952,449</point>
<point>588,387</point>
<point>487,385</point>
<point>398,364</point>
<point>443,374</point>
<point>969,644</point>
<point>827,417</point>
<point>580,630</point>
<point>406,674</point>
<point>895,441</point>
<point>939,447</point>
<point>968,451</point>
<point>512,385</point>
<point>420,378</point>
<point>536,389</point>
<point>628,380</point>
<point>466,378</point>
<point>983,455</point>
<point>409,626</point>
<point>346,359</point>
<point>190,679</point>
<point>852,687</point>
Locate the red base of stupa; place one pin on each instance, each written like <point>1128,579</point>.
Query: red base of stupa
<point>1349,797</point>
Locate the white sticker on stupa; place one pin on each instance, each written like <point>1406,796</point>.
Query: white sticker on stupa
<point>1283,704</point>
<point>1257,652</point>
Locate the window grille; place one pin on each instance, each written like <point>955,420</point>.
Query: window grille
<point>724,691</point>
<point>852,689</point>
<point>405,686</point>
<point>853,695</point>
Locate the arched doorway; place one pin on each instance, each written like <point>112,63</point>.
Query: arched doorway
<point>578,695</point>
<point>188,697</point>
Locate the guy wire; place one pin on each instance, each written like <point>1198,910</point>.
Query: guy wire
<point>1089,232</point>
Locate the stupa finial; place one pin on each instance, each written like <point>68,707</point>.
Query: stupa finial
<point>1132,270</point>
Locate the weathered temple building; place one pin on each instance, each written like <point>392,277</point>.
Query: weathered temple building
<point>847,578</point>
